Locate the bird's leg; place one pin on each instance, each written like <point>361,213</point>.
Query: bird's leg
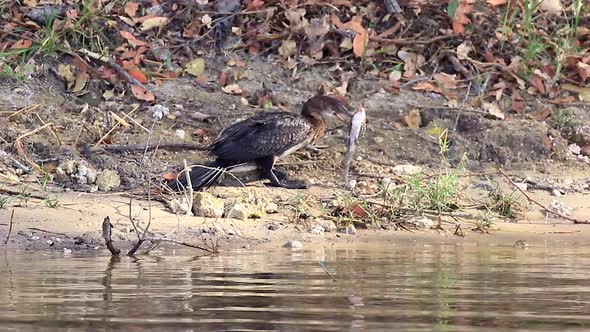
<point>280,174</point>
<point>267,166</point>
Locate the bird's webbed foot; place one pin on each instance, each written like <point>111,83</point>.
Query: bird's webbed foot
<point>290,184</point>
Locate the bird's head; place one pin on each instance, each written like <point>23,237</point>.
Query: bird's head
<point>328,107</point>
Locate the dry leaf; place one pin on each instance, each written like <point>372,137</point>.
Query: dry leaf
<point>196,67</point>
<point>445,81</point>
<point>541,115</point>
<point>583,70</point>
<point>412,119</point>
<point>427,86</point>
<point>538,83</point>
<point>222,78</point>
<point>495,3</point>
<point>287,48</point>
<point>140,93</point>
<point>65,71</point>
<point>460,18</point>
<point>517,102</point>
<point>255,5</point>
<point>297,21</point>
<point>551,6</point>
<point>131,39</point>
<point>23,43</point>
<point>138,75</point>
<point>563,100</point>
<point>317,28</point>
<point>153,22</point>
<point>493,110</point>
<point>359,43</point>
<point>232,89</point>
<point>464,49</point>
<point>80,82</point>
<point>131,8</point>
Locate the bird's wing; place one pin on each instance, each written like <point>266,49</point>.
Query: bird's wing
<point>266,134</point>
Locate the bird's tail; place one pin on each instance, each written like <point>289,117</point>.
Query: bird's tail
<point>201,176</point>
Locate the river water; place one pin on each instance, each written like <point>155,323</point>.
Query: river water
<point>410,287</point>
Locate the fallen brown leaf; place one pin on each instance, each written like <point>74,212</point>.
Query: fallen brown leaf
<point>427,86</point>
<point>141,93</point>
<point>138,75</point>
<point>412,119</point>
<point>495,3</point>
<point>517,102</point>
<point>493,110</point>
<point>359,44</point>
<point>131,8</point>
<point>80,83</point>
<point>153,22</point>
<point>460,18</point>
<point>232,89</point>
<point>22,43</point>
<point>222,78</point>
<point>541,115</point>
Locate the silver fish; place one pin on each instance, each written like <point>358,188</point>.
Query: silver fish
<point>355,130</point>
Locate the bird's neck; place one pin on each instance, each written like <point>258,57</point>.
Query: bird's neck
<point>317,123</point>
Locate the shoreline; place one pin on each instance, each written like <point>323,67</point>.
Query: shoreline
<point>76,226</point>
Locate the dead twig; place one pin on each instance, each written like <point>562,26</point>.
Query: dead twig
<point>530,199</point>
<point>44,231</point>
<point>143,147</point>
<point>106,235</point>
<point>111,63</point>
<point>407,42</point>
<point>23,110</point>
<point>115,127</point>
<point>9,228</point>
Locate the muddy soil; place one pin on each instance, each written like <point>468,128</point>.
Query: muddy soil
<point>535,151</point>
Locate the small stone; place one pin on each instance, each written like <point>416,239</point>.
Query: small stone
<point>180,133</point>
<point>317,229</point>
<point>91,175</point>
<point>273,226</point>
<point>585,151</point>
<point>35,238</point>
<point>385,182</point>
<point>243,211</point>
<point>560,207</point>
<point>522,186</point>
<point>328,225</point>
<point>350,229</point>
<point>423,222</point>
<point>574,148</point>
<point>107,180</point>
<point>158,111</point>
<point>82,170</point>
<point>50,243</point>
<point>78,240</point>
<point>293,244</point>
<point>271,207</point>
<point>556,192</point>
<point>207,205</point>
<point>68,166</point>
<point>378,139</point>
<point>93,189</point>
<point>81,180</point>
<point>406,169</point>
<point>180,206</point>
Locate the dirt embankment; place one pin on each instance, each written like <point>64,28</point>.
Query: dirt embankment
<point>65,210</point>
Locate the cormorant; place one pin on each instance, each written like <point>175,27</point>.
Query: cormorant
<point>264,138</point>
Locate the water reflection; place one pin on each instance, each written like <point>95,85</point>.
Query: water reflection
<point>413,288</point>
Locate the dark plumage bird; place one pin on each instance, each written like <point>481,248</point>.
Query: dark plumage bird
<point>261,140</point>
